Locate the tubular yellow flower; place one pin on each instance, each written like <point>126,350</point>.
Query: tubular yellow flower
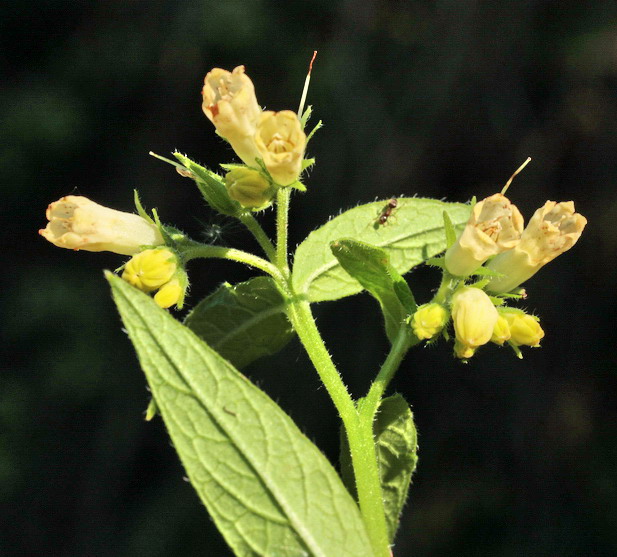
<point>77,223</point>
<point>249,188</point>
<point>281,142</point>
<point>501,332</point>
<point>230,103</point>
<point>474,317</point>
<point>525,329</point>
<point>150,269</point>
<point>429,320</point>
<point>495,225</point>
<point>553,229</point>
<point>169,294</point>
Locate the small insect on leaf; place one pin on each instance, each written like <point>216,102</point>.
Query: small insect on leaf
<point>386,212</point>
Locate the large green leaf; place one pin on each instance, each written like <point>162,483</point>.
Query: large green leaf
<point>413,233</point>
<point>397,455</point>
<point>370,266</point>
<point>267,487</point>
<point>242,322</point>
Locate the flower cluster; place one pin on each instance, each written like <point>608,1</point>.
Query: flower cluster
<point>495,234</point>
<point>262,139</point>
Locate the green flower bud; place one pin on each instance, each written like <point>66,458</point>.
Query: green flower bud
<point>249,188</point>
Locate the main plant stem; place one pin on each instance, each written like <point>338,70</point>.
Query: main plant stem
<point>359,432</point>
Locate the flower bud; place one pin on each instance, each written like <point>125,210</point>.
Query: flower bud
<point>501,331</point>
<point>169,294</point>
<point>248,187</point>
<point>474,317</point>
<point>429,320</point>
<point>77,223</point>
<point>281,142</point>
<point>525,329</point>
<point>150,269</point>
<point>553,229</point>
<point>495,225</point>
<point>230,104</point>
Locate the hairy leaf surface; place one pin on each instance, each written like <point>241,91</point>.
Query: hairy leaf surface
<point>268,488</point>
<point>413,232</point>
<point>242,322</point>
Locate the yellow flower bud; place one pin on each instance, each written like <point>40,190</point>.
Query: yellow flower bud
<point>281,142</point>
<point>501,331</point>
<point>230,104</point>
<point>429,320</point>
<point>169,294</point>
<point>77,223</point>
<point>150,269</point>
<point>249,188</point>
<point>553,229</point>
<point>495,225</point>
<point>474,317</point>
<point>525,329</point>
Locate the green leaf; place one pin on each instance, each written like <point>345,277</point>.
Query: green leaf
<point>370,266</point>
<point>242,322</point>
<point>413,233</point>
<point>212,187</point>
<point>397,455</point>
<point>269,490</point>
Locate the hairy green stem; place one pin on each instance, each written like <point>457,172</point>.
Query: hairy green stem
<point>282,217</point>
<point>359,434</point>
<point>206,251</point>
<point>404,340</point>
<point>258,232</point>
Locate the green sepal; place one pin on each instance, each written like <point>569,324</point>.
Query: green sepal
<point>140,208</point>
<point>486,272</point>
<point>449,229</point>
<point>243,322</point>
<point>269,490</point>
<point>212,187</point>
<point>297,185</point>
<point>396,443</point>
<point>436,262</point>
<point>317,127</point>
<point>306,115</point>
<point>306,163</point>
<point>370,266</point>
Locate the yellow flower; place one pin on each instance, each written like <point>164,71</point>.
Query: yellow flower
<point>150,269</point>
<point>474,317</point>
<point>553,229</point>
<point>495,225</point>
<point>248,187</point>
<point>501,332</point>
<point>77,223</point>
<point>230,103</point>
<point>281,142</point>
<point>429,320</point>
<point>525,329</point>
<point>169,294</point>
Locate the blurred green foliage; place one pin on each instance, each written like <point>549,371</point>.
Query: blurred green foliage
<point>441,99</point>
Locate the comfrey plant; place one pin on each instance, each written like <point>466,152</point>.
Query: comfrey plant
<point>269,490</point>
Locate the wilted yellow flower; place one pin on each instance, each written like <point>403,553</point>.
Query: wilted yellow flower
<point>525,329</point>
<point>501,331</point>
<point>553,229</point>
<point>77,223</point>
<point>230,104</point>
<point>281,142</point>
<point>248,187</point>
<point>429,320</point>
<point>169,294</point>
<point>495,225</point>
<point>474,317</point>
<point>150,269</point>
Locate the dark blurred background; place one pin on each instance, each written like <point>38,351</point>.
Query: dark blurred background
<point>441,99</point>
